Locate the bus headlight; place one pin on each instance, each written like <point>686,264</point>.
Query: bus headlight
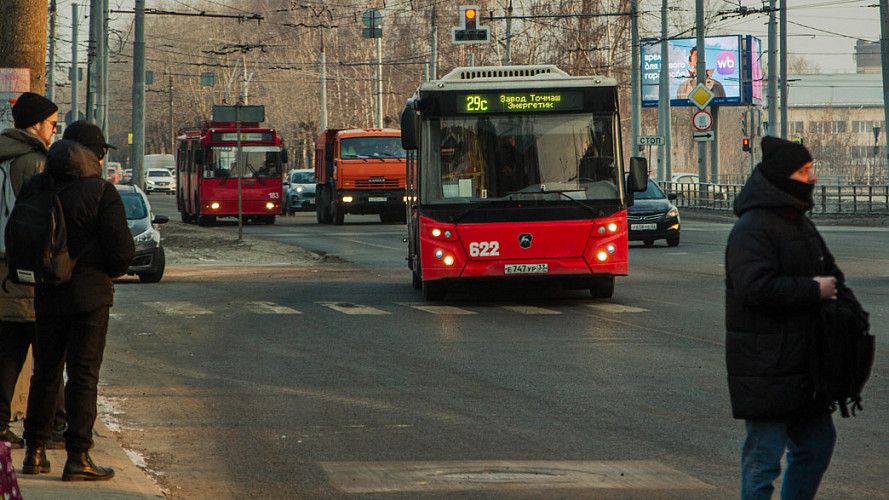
<point>269,206</point>
<point>214,205</point>
<point>449,260</point>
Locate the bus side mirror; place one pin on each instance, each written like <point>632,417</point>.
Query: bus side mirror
<point>283,155</point>
<point>638,179</point>
<point>409,126</point>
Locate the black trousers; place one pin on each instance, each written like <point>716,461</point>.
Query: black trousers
<point>15,338</point>
<point>78,343</point>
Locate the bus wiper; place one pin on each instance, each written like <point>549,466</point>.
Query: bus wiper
<point>562,192</point>
<point>475,207</point>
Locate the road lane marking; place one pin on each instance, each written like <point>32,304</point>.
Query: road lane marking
<point>616,308</point>
<point>499,475</point>
<point>353,309</point>
<point>261,307</point>
<point>530,310</point>
<point>177,308</point>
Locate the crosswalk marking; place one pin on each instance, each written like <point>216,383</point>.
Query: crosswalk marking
<point>530,310</point>
<point>261,307</point>
<point>615,308</point>
<point>179,308</point>
<point>443,310</point>
<point>353,309</point>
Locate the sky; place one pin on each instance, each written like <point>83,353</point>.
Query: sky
<point>822,31</point>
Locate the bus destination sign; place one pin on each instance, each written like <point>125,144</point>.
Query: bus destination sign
<point>525,102</point>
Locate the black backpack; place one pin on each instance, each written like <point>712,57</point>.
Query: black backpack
<point>37,239</point>
<point>843,352</point>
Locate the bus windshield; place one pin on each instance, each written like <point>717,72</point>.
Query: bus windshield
<point>371,147</point>
<point>541,157</point>
<point>255,162</point>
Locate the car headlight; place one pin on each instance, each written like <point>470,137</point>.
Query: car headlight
<point>149,235</point>
<point>300,189</point>
<point>673,212</point>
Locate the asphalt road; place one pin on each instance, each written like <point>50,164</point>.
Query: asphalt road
<point>340,382</point>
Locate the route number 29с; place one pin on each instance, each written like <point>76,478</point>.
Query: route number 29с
<point>484,248</point>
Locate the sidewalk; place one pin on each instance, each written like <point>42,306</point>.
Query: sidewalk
<point>129,481</point>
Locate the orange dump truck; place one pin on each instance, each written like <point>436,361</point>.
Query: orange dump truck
<point>359,171</point>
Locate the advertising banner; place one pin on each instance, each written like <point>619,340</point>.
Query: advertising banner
<point>727,75</point>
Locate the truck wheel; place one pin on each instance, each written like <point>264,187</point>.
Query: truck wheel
<point>336,213</point>
<point>433,290</point>
<point>602,288</point>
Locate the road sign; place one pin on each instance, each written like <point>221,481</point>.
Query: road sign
<point>372,18</point>
<point>704,136</point>
<point>700,96</point>
<point>650,140</point>
<point>702,121</point>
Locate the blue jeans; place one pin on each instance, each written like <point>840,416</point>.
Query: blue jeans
<point>809,443</point>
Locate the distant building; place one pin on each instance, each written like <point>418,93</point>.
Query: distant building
<point>867,57</point>
<point>841,119</point>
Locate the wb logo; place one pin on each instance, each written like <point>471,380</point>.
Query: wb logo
<point>525,240</point>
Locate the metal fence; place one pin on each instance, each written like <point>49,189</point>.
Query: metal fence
<point>829,200</point>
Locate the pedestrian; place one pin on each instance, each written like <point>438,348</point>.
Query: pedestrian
<point>72,318</point>
<point>22,154</point>
<point>778,271</point>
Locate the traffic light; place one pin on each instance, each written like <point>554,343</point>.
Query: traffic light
<point>469,31</point>
<point>745,145</point>
<point>744,124</point>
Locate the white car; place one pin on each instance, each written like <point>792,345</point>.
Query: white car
<point>159,180</point>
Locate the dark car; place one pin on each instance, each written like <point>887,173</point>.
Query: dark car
<point>653,217</point>
<point>149,261</point>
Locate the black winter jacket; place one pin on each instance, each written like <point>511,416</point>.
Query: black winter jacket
<point>772,302</point>
<point>97,231</point>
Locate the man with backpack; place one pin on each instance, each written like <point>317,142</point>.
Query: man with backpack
<point>72,317</point>
<point>778,274</point>
<point>22,154</point>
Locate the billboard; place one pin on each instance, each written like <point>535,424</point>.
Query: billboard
<point>729,70</point>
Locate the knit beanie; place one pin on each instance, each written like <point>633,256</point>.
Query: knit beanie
<point>782,158</point>
<point>30,109</point>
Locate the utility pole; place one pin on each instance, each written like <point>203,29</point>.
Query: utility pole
<point>75,69</point>
<point>23,38</point>
<point>772,101</point>
<point>433,44</point>
<point>884,49</point>
<point>663,107</point>
<point>170,88</point>
<point>701,76</point>
<point>139,94</point>
<point>323,62</point>
<point>783,44</point>
<point>509,39</point>
<point>635,73</point>
<point>51,66</point>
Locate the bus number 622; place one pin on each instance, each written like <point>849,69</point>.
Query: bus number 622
<point>484,248</point>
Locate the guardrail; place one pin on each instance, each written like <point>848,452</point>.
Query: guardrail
<point>829,200</point>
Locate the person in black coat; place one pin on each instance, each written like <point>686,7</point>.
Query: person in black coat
<point>72,318</point>
<point>778,270</point>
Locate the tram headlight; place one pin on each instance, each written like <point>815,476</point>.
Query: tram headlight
<point>269,206</point>
<point>449,260</point>
<point>214,205</point>
<point>602,256</point>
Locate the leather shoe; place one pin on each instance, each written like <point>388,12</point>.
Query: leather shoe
<point>80,467</point>
<point>15,441</point>
<point>35,461</point>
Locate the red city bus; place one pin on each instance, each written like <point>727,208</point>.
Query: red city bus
<point>516,174</point>
<point>209,168</point>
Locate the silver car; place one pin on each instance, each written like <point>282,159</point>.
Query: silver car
<point>299,191</point>
<point>149,260</point>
